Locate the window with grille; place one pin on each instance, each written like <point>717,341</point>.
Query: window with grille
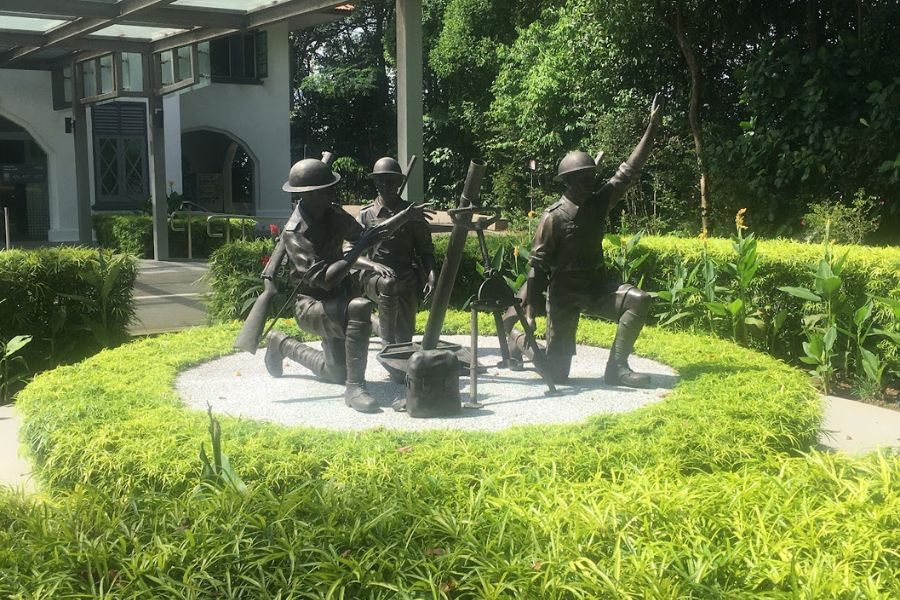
<point>121,179</point>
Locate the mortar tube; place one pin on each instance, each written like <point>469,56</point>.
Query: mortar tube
<point>453,258</point>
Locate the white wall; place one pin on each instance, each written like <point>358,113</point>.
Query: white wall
<point>257,116</point>
<point>26,99</point>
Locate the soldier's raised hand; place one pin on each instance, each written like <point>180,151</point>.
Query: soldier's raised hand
<point>656,109</point>
<point>418,212</point>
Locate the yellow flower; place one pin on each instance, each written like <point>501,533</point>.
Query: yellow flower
<point>516,251</point>
<point>739,219</point>
<point>703,235</point>
<point>531,214</point>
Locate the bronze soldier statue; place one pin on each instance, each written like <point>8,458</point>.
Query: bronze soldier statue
<point>328,300</point>
<point>393,279</point>
<point>567,261</point>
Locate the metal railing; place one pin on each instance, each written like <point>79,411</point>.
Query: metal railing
<point>210,218</point>
<point>6,227</point>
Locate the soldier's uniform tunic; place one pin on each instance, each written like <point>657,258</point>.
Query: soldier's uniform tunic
<point>400,252</point>
<point>568,247</point>
<point>311,248</point>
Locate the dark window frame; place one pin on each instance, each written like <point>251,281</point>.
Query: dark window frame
<point>121,200</point>
<point>250,48</point>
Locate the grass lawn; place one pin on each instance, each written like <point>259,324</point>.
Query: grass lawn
<point>713,492</point>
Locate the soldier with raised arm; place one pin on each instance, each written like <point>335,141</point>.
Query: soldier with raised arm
<point>329,302</point>
<point>567,262</point>
<point>394,279</point>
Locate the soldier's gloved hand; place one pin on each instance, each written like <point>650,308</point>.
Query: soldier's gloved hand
<point>417,212</point>
<point>656,109</point>
<point>372,236</point>
<point>384,270</point>
<point>429,285</point>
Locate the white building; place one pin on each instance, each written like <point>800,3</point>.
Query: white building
<point>112,105</point>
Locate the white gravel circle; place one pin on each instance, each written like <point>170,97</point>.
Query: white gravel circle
<point>239,385</point>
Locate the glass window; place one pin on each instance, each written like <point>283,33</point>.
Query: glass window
<point>132,72</point>
<point>67,85</point>
<point>184,63</point>
<point>203,60</point>
<point>219,59</point>
<point>167,68</point>
<point>106,73</point>
<point>89,73</point>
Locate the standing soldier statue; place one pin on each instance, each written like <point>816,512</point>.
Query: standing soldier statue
<point>328,302</point>
<point>393,281</point>
<point>567,261</point>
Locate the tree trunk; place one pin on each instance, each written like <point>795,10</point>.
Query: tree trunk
<point>812,24</point>
<point>694,115</point>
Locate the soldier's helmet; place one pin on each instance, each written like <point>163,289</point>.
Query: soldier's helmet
<point>573,162</point>
<point>310,174</point>
<point>386,166</point>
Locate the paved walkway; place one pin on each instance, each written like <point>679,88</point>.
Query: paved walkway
<point>858,428</point>
<point>14,470</point>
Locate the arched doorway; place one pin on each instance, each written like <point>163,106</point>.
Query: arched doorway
<point>23,184</point>
<point>218,172</point>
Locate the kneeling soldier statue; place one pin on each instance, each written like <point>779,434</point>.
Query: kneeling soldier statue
<point>394,279</point>
<point>328,301</point>
<point>567,261</point>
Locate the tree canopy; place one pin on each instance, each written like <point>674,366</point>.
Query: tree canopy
<point>775,105</point>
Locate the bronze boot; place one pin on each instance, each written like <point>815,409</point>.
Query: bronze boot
<point>274,356</point>
<point>357,349</point>
<point>387,318</point>
<point>280,346</point>
<point>617,370</point>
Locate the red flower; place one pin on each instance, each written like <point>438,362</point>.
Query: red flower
<point>265,260</point>
<point>273,229</point>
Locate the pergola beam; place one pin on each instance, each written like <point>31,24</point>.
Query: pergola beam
<point>171,16</point>
<point>288,10</point>
<point>85,26</point>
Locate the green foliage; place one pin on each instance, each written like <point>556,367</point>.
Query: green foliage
<point>355,187</point>
<point>836,316</point>
<point>70,301</point>
<point>623,255</point>
<point>816,119</point>
<point>844,224</point>
<point>133,234</point>
<point>218,472</point>
<point>128,234</point>
<point>8,359</point>
<point>712,492</point>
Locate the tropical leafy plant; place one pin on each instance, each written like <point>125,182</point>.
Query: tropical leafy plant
<point>624,255</point>
<point>821,328</point>
<point>217,472</point>
<point>8,358</point>
<point>679,297</point>
<point>739,309</point>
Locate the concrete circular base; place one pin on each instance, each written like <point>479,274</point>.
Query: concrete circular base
<point>239,385</point>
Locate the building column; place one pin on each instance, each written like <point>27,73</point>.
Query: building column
<point>172,117</point>
<point>81,135</point>
<point>158,189</point>
<point>410,139</point>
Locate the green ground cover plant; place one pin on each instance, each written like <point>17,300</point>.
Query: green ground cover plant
<point>70,301</point>
<point>713,492</point>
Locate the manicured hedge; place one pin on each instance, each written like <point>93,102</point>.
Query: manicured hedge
<point>133,234</point>
<point>706,494</point>
<point>69,299</point>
